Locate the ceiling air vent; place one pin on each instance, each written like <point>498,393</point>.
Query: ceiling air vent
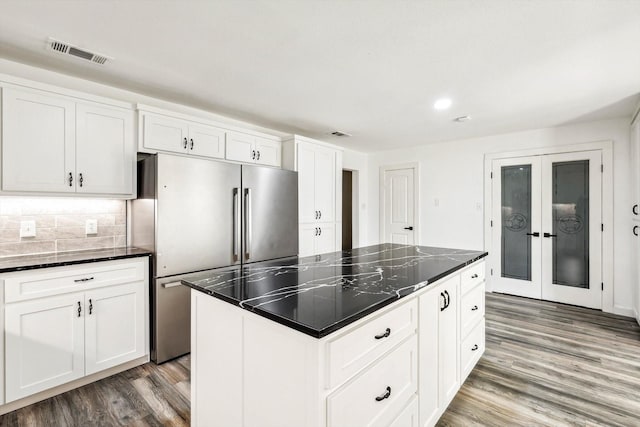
<point>339,133</point>
<point>69,49</point>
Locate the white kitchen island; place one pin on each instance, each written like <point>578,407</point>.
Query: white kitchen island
<point>378,336</point>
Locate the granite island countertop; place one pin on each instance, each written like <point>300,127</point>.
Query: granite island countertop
<point>320,294</point>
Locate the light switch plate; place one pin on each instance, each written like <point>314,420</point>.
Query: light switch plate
<point>91,226</point>
<point>27,229</point>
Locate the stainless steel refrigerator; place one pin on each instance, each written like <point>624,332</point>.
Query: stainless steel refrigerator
<point>197,214</point>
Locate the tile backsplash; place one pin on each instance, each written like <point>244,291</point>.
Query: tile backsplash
<point>60,224</point>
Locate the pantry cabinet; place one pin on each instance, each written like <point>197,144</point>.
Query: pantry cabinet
<point>319,168</point>
<point>64,323</point>
<point>56,144</point>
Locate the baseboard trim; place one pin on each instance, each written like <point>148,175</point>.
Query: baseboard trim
<point>624,311</point>
<point>46,394</point>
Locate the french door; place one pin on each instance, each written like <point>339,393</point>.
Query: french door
<point>546,234</point>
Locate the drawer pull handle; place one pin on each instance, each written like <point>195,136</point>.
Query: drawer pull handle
<point>384,396</point>
<point>474,308</point>
<point>90,306</point>
<point>79,309</point>
<point>387,332</point>
<point>475,276</point>
<point>475,347</point>
<point>85,279</point>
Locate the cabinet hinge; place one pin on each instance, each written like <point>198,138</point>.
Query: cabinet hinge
<point>602,286</point>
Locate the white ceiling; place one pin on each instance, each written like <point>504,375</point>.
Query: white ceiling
<point>371,68</point>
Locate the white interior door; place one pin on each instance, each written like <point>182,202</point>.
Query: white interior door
<point>516,226</point>
<point>571,228</point>
<point>399,206</point>
<point>547,216</point>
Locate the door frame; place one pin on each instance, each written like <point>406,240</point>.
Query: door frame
<point>607,207</point>
<point>416,197</point>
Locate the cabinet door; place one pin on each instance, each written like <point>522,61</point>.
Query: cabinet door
<point>448,343</point>
<point>114,326</point>
<point>240,147</point>
<point>165,133</point>
<point>268,152</point>
<point>325,184</point>
<point>206,141</point>
<point>44,344</point>
<point>105,153</point>
<point>429,306</point>
<point>38,142</point>
<point>326,239</point>
<point>307,239</point>
<point>307,211</point>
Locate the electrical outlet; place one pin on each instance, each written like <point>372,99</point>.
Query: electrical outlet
<point>91,226</point>
<point>27,229</point>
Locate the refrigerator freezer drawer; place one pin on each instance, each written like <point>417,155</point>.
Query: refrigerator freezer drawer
<point>172,320</point>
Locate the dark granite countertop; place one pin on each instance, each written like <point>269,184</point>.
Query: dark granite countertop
<point>30,262</point>
<point>320,294</point>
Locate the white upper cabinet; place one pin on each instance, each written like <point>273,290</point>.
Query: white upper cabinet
<point>317,182</point>
<point>242,147</point>
<point>38,142</point>
<point>166,133</point>
<point>104,150</point>
<point>55,144</point>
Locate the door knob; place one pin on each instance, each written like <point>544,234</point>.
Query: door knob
<point>408,228</point>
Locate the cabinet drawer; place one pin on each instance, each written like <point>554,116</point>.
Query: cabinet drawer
<point>350,353</point>
<point>408,417</point>
<point>58,280</point>
<point>471,309</point>
<point>471,350</point>
<point>379,394</point>
<point>471,277</point>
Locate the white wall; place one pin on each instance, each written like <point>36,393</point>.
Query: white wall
<point>452,172</point>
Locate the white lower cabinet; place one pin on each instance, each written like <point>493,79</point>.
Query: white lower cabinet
<point>114,326</point>
<point>54,339</point>
<point>397,367</point>
<point>44,344</point>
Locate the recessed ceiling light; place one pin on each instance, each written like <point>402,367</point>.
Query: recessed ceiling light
<point>442,104</point>
<point>462,119</point>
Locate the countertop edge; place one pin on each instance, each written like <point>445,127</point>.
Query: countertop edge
<point>73,262</point>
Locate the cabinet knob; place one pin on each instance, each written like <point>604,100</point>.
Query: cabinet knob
<point>385,334</point>
<point>635,209</point>
<point>258,155</point>
<point>80,179</point>
<point>191,143</point>
<point>185,143</point>
<point>320,229</point>
<point>253,154</point>
<point>90,306</point>
<point>79,309</point>
<point>319,214</point>
<point>635,230</point>
<point>70,179</point>
<point>384,396</point>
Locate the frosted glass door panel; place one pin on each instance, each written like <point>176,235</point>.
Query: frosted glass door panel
<point>570,210</point>
<point>516,222</point>
<point>516,226</point>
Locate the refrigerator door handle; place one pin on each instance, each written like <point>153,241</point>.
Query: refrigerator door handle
<point>247,223</point>
<point>236,225</point>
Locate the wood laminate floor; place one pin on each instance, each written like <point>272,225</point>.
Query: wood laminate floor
<point>545,364</point>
